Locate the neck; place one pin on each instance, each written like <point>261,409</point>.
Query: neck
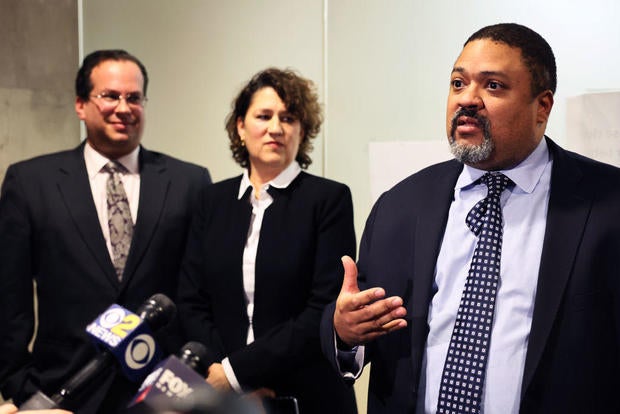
<point>261,176</point>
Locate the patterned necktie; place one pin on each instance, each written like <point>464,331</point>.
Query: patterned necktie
<point>462,381</point>
<point>119,217</point>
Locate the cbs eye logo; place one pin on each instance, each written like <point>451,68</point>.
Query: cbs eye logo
<point>140,351</point>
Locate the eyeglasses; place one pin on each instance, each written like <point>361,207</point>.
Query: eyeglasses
<point>111,100</point>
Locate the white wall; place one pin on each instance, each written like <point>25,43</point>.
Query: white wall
<point>382,66</point>
<point>198,54</point>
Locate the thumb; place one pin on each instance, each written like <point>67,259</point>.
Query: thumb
<point>349,284</point>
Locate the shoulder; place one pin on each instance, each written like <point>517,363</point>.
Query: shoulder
<point>50,158</point>
<point>313,184</point>
<point>571,167</point>
<point>176,167</point>
<point>591,165</point>
<point>227,189</point>
<point>41,165</point>
<point>169,161</point>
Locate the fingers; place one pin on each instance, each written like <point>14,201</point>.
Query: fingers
<point>349,284</point>
<point>362,316</point>
<point>8,409</point>
<point>373,334</point>
<point>363,324</point>
<point>216,377</point>
<point>377,311</point>
<point>375,317</point>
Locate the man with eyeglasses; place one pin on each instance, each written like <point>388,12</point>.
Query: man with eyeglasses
<point>103,223</point>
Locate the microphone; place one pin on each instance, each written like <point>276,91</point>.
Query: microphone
<point>177,377</point>
<point>123,338</point>
<point>178,385</point>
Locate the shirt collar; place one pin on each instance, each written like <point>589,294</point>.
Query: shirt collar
<point>282,180</point>
<point>525,175</point>
<point>95,161</point>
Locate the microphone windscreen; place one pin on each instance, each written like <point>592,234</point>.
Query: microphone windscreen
<point>196,356</point>
<point>157,311</point>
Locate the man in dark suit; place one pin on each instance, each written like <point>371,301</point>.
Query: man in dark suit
<point>555,307</point>
<point>56,230</point>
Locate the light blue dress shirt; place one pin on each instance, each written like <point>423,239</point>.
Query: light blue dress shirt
<point>524,207</point>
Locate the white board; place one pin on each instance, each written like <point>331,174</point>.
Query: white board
<point>390,162</point>
<point>593,126</point>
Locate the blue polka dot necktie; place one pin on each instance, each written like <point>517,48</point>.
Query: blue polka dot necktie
<point>462,380</point>
<point>119,217</point>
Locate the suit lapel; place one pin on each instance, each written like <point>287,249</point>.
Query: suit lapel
<point>75,190</point>
<point>430,225</point>
<point>569,206</point>
<point>154,184</point>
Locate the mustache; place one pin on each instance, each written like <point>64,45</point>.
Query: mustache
<point>470,113</point>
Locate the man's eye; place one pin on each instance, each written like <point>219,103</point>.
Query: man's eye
<point>134,99</point>
<point>110,97</point>
<point>494,85</point>
<point>457,83</point>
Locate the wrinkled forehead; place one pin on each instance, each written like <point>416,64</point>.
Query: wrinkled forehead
<point>489,56</point>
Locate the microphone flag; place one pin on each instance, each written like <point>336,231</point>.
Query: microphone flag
<point>129,338</point>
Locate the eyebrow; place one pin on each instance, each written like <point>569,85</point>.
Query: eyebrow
<point>112,90</point>
<point>484,73</point>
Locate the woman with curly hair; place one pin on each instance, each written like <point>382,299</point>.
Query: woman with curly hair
<point>264,256</point>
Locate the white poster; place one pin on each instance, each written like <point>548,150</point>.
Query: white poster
<point>391,162</point>
<point>593,126</point>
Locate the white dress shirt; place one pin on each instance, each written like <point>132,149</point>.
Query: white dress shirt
<point>98,179</point>
<point>260,203</point>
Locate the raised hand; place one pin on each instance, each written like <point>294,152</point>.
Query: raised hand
<point>363,316</point>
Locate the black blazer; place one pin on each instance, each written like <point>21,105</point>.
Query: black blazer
<point>49,232</point>
<point>304,233</point>
<point>573,353</point>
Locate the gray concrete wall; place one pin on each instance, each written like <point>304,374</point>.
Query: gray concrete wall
<point>38,61</point>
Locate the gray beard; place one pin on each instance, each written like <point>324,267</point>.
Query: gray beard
<point>471,154</point>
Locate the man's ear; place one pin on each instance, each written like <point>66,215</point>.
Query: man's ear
<point>545,103</point>
<point>79,108</point>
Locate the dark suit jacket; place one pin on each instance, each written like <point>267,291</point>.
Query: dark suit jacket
<point>304,233</point>
<point>49,232</point>
<point>573,352</point>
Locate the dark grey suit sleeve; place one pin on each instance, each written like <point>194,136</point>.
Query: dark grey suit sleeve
<point>16,289</point>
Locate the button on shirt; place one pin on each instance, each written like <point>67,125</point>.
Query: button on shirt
<point>524,207</point>
<point>98,179</point>
<point>260,203</point>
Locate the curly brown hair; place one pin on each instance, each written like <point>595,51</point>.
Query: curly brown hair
<point>301,100</point>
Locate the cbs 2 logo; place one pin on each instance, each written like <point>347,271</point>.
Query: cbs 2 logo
<point>119,321</point>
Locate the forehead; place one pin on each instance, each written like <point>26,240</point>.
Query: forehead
<point>117,75</point>
<point>266,97</point>
<point>489,56</point>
